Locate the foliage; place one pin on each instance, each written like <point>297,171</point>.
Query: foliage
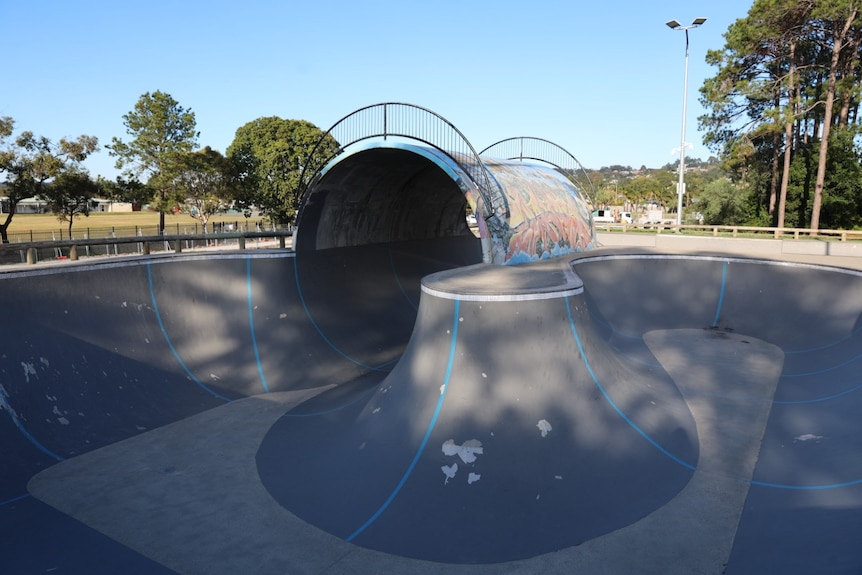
<point>787,77</point>
<point>721,203</point>
<point>162,133</point>
<point>30,161</point>
<point>206,181</point>
<point>269,155</point>
<point>69,195</point>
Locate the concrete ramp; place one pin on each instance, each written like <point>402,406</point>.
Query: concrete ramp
<point>613,412</point>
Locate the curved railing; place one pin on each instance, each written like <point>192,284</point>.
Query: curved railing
<point>529,148</point>
<point>394,119</point>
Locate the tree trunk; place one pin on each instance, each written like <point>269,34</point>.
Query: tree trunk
<point>788,135</point>
<point>837,44</point>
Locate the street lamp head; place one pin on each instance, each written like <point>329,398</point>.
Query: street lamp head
<point>675,25</point>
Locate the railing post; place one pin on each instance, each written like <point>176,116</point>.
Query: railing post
<point>73,253</point>
<point>242,243</point>
<point>178,246</point>
<point>32,256</point>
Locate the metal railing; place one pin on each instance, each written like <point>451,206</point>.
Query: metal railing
<point>394,119</point>
<point>74,249</point>
<point>733,231</point>
<point>529,148</point>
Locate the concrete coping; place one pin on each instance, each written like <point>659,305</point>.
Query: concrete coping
<point>545,279</point>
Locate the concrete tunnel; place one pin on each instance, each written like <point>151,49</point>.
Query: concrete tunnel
<point>390,192</point>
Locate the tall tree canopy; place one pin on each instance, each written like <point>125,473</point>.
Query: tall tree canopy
<point>273,152</point>
<point>162,133</point>
<point>30,162</point>
<point>208,183</point>
<point>784,100</point>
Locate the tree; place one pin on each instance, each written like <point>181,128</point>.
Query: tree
<point>30,161</point>
<point>273,152</point>
<point>206,181</point>
<point>162,132</point>
<point>788,77</point>
<point>69,194</point>
<point>840,15</point>
<point>721,203</point>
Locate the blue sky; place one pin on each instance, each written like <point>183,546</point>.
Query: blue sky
<point>604,79</point>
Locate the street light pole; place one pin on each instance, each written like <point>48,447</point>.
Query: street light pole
<point>680,190</point>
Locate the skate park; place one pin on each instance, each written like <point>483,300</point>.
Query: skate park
<point>401,394</point>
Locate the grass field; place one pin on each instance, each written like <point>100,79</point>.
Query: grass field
<point>101,224</point>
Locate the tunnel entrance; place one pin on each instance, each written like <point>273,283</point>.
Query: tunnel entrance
<point>387,195</point>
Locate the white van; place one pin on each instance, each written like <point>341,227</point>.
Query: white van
<point>603,217</point>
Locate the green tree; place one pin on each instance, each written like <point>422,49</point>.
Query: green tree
<point>788,76</point>
<point>206,181</point>
<point>271,152</point>
<point>162,131</point>
<point>69,194</point>
<point>29,162</point>
<point>721,203</point>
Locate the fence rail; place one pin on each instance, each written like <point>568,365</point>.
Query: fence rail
<point>73,249</point>
<point>734,231</point>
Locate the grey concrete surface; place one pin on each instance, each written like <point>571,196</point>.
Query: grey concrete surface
<point>652,354</point>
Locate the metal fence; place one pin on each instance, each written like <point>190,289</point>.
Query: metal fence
<point>117,243</point>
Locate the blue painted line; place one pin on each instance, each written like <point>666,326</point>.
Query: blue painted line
<point>251,325</point>
<point>822,371</point>
<point>452,345</point>
<point>381,367</point>
<point>611,402</point>
<point>5,406</point>
<point>807,487</point>
<point>170,344</point>
<point>819,399</point>
<point>721,294</point>
<point>14,499</point>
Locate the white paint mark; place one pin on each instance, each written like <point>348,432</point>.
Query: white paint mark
<point>442,389</point>
<point>808,437</point>
<point>537,496</point>
<point>558,477</point>
<point>544,427</point>
<point>282,316</point>
<point>44,361</point>
<point>376,409</point>
<point>124,304</point>
<point>449,471</point>
<point>484,375</point>
<point>147,340</point>
<point>460,319</point>
<point>29,369</point>
<point>473,478</point>
<point>467,451</point>
<point>362,446</point>
<point>214,377</point>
